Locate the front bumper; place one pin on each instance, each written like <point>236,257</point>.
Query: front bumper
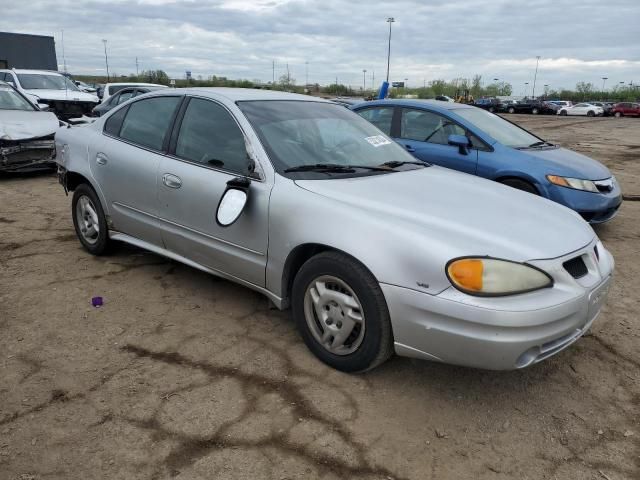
<point>593,207</point>
<point>501,333</point>
<point>26,155</point>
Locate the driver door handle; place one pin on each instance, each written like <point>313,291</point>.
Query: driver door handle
<point>410,148</point>
<point>171,181</point>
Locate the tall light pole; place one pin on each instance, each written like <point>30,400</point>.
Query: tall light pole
<point>526,88</point>
<point>273,72</point>
<point>136,66</point>
<point>390,20</point>
<point>406,83</point>
<point>64,59</point>
<point>106,59</point>
<point>306,73</point>
<point>497,86</point>
<point>535,76</point>
<point>364,79</point>
<point>604,79</point>
<point>546,89</point>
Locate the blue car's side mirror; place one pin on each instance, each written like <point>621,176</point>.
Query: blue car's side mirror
<point>460,141</point>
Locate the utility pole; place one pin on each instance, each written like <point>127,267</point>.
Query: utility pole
<point>364,79</point>
<point>136,66</point>
<point>406,83</point>
<point>373,78</point>
<point>273,72</point>
<point>390,20</point>
<point>64,59</point>
<point>604,79</point>
<point>526,88</point>
<point>535,76</point>
<point>288,76</point>
<point>106,59</point>
<point>306,73</point>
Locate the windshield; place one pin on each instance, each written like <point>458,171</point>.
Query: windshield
<point>299,133</point>
<point>11,100</point>
<point>41,81</point>
<point>504,132</point>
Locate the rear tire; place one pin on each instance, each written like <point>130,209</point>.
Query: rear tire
<point>511,110</point>
<point>491,109</point>
<point>535,111</point>
<point>591,113</point>
<point>89,220</point>
<point>617,114</point>
<point>332,288</point>
<point>519,184</point>
<point>563,113</point>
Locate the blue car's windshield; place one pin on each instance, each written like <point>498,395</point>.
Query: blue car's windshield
<point>504,132</point>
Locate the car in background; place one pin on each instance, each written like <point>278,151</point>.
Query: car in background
<point>113,88</point>
<point>444,98</point>
<point>347,101</point>
<point>53,89</point>
<point>626,109</point>
<point>477,142</point>
<point>532,106</point>
<point>85,87</point>
<point>582,109</point>
<point>26,133</point>
<point>120,97</point>
<point>561,103</point>
<point>606,107</point>
<point>305,202</point>
<point>490,104</point>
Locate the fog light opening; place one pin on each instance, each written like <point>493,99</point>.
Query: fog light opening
<point>528,357</point>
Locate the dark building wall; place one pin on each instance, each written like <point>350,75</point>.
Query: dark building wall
<point>19,50</point>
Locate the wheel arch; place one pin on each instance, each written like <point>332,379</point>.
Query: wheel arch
<point>523,178</point>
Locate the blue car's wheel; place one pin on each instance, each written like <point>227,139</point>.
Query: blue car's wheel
<point>520,185</point>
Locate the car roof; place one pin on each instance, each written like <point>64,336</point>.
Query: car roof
<point>134,84</point>
<point>435,105</point>
<point>240,94</point>
<point>39,72</point>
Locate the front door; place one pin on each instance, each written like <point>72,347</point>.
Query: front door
<point>206,151</point>
<point>425,135</point>
<point>125,164</point>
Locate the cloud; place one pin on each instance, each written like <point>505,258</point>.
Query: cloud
<point>577,41</point>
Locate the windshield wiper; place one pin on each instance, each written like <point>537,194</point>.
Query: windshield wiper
<point>398,163</point>
<point>331,167</point>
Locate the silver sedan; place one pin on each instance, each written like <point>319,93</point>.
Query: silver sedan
<point>311,205</point>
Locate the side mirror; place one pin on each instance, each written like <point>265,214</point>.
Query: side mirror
<point>460,141</point>
<point>43,107</point>
<point>233,201</point>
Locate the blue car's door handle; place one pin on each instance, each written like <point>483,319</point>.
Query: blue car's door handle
<point>409,148</point>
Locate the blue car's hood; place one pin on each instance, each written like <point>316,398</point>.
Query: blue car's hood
<point>566,163</point>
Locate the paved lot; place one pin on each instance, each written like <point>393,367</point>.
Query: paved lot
<point>187,376</point>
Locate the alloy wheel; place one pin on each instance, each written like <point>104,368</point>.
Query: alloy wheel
<point>87,220</point>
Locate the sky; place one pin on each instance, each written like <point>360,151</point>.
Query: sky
<point>577,40</point>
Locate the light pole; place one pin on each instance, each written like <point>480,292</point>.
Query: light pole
<point>526,89</point>
<point>364,79</point>
<point>406,83</point>
<point>535,76</point>
<point>497,86</point>
<point>546,89</point>
<point>106,59</point>
<point>604,79</point>
<point>306,73</point>
<point>390,20</point>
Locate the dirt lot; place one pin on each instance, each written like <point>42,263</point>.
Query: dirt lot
<point>187,376</point>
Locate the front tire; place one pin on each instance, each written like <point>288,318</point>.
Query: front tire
<point>341,313</point>
<point>617,114</point>
<point>511,110</point>
<point>591,113</point>
<point>563,113</point>
<point>535,111</point>
<point>519,184</point>
<point>89,220</point>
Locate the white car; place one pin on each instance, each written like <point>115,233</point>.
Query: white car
<point>585,109</point>
<point>62,96</point>
<point>113,88</point>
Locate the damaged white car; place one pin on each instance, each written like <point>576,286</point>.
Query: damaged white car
<point>26,133</point>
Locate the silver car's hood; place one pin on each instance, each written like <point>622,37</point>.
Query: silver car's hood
<point>21,125</point>
<point>67,95</point>
<point>462,213</point>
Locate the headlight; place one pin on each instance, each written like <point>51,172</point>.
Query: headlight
<point>575,183</point>
<point>493,277</point>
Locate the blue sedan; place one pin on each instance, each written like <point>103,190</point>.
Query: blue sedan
<point>474,141</point>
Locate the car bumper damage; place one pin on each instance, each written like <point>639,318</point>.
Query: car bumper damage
<point>503,333</point>
<point>26,154</point>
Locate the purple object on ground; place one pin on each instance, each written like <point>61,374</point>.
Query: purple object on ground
<point>96,301</point>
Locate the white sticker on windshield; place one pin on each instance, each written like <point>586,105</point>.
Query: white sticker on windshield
<point>377,140</point>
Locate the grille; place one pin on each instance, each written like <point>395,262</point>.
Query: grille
<point>604,185</point>
<point>576,267</point>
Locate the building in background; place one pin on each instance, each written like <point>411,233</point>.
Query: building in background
<point>19,50</point>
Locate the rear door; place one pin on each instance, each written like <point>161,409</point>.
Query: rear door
<point>425,135</point>
<point>125,163</point>
<point>207,150</point>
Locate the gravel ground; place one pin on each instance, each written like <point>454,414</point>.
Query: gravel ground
<point>183,375</point>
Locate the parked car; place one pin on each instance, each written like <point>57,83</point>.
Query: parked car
<point>606,107</point>
<point>309,204</point>
<point>474,141</point>
<point>113,88</point>
<point>490,104</point>
<point>532,106</point>
<point>26,133</point>
<point>120,97</point>
<point>583,109</point>
<point>85,87</point>
<point>51,88</point>
<point>627,109</point>
<point>444,98</point>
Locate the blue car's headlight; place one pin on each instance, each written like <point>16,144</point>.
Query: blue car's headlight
<point>575,183</point>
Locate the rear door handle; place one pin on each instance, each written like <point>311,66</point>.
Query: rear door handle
<point>171,180</point>
<point>101,159</point>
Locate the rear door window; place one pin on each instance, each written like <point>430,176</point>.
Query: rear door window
<point>148,120</point>
<point>381,117</point>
